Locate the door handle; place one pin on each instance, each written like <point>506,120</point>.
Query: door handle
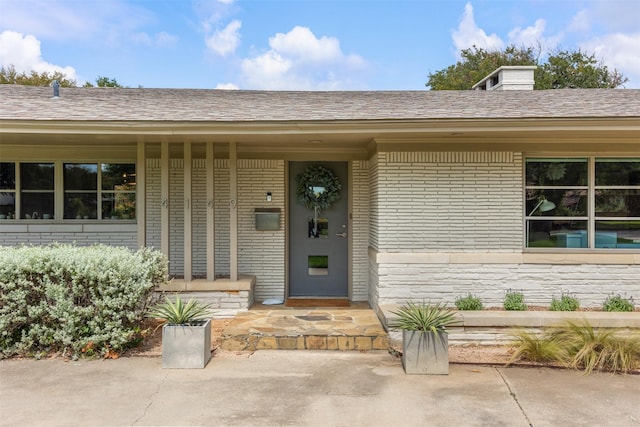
<point>343,234</point>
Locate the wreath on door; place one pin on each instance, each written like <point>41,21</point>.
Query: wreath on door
<point>317,188</point>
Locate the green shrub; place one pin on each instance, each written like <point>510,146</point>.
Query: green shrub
<point>618,303</point>
<point>423,317</point>
<point>470,302</point>
<point>73,299</point>
<point>565,303</point>
<point>514,301</point>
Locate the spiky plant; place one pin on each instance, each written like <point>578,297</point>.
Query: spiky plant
<point>423,317</point>
<point>598,349</point>
<point>537,348</point>
<point>180,313</point>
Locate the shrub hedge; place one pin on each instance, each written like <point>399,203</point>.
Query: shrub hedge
<point>74,299</point>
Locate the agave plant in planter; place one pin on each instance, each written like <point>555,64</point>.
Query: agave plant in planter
<point>424,338</point>
<point>186,332</point>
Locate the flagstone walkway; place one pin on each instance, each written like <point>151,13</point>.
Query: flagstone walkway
<point>281,328</point>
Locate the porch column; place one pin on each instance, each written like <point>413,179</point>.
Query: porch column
<point>233,211</point>
<point>164,197</point>
<point>141,193</point>
<point>210,166</point>
<point>187,213</point>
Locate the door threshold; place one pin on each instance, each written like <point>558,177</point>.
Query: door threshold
<point>317,302</point>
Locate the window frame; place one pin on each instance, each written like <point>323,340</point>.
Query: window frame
<point>59,191</point>
<point>591,217</point>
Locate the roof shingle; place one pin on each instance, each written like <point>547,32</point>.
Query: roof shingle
<point>204,105</point>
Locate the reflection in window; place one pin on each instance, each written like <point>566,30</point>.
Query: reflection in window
<point>558,196</point>
<point>318,228</point>
<point>80,191</point>
<point>318,265</point>
<point>118,191</point>
<point>36,196</point>
<point>7,190</point>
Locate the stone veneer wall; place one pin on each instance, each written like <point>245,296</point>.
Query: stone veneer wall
<point>448,224</point>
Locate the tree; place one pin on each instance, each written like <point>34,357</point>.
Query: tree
<point>102,81</point>
<point>565,69</point>
<point>576,69</point>
<point>476,64</point>
<point>9,75</point>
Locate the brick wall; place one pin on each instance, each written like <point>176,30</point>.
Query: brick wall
<point>448,224</point>
<point>80,234</point>
<point>447,201</point>
<point>261,253</point>
<point>360,230</point>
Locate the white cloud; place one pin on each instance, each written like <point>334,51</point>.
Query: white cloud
<point>299,60</point>
<point>469,34</point>
<point>161,39</point>
<point>24,53</point>
<point>581,21</point>
<point>619,51</point>
<point>225,41</point>
<point>227,86</point>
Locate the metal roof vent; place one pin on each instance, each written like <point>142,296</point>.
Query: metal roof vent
<point>56,89</point>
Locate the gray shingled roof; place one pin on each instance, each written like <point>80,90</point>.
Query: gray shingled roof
<point>203,105</point>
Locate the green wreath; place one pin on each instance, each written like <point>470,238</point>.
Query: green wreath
<point>317,188</point>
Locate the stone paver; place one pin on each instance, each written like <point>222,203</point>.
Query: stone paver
<point>355,328</point>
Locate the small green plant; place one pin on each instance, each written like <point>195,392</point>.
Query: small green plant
<point>470,302</point>
<point>179,313</point>
<point>423,317</point>
<point>565,303</point>
<point>514,301</point>
<point>618,303</point>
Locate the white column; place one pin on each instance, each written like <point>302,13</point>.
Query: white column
<point>210,165</point>
<point>141,193</point>
<point>233,213</point>
<point>188,233</point>
<point>164,197</point>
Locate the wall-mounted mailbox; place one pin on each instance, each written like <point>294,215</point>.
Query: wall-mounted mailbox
<point>267,219</point>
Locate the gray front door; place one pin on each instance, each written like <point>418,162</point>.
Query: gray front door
<point>318,244</point>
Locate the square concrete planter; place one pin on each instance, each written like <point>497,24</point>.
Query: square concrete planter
<point>425,353</point>
<point>186,346</point>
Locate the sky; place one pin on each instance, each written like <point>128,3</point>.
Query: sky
<point>301,44</point>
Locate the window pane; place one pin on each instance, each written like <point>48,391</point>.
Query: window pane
<point>318,265</point>
<point>618,234</point>
<point>557,234</point>
<point>80,176</point>
<point>556,172</point>
<point>617,172</point>
<point>118,205</point>
<point>7,176</point>
<point>557,202</point>
<point>7,205</point>
<point>119,177</point>
<point>80,205</point>
<point>618,203</point>
<point>36,176</point>
<point>36,205</point>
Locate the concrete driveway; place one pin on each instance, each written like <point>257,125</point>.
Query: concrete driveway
<point>307,388</point>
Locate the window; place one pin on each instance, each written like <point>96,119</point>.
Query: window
<point>37,190</point>
<point>83,191</point>
<point>582,203</point>
<point>7,190</point>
